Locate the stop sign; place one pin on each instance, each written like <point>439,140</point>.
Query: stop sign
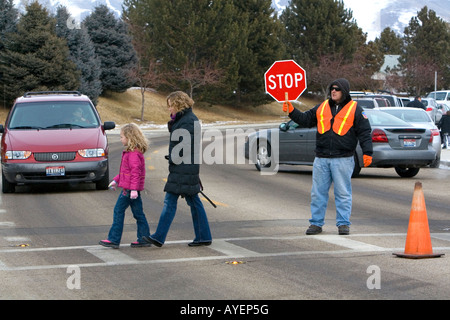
<point>285,80</point>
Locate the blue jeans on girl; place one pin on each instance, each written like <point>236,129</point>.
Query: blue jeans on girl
<point>123,202</point>
<point>199,219</point>
<point>339,172</point>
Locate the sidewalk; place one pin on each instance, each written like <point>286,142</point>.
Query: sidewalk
<point>445,157</point>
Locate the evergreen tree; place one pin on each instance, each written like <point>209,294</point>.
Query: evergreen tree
<point>34,57</point>
<point>8,19</point>
<point>262,30</point>
<point>389,42</point>
<point>113,47</point>
<point>315,28</point>
<point>188,37</point>
<point>82,53</point>
<point>427,47</point>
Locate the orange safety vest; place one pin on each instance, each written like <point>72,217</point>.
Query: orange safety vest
<point>343,120</point>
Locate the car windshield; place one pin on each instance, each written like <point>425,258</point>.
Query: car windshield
<point>53,115</point>
<point>439,95</point>
<point>380,118</point>
<point>410,115</point>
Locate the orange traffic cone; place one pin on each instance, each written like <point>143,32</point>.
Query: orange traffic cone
<point>418,240</point>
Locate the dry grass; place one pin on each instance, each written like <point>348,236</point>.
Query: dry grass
<point>126,107</point>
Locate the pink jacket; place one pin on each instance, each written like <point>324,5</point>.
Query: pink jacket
<point>132,171</point>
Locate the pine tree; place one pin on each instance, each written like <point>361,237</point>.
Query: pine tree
<point>427,41</point>
<point>389,42</point>
<point>262,31</point>
<point>82,53</point>
<point>113,47</point>
<point>8,19</point>
<point>315,28</point>
<point>191,39</point>
<point>35,58</point>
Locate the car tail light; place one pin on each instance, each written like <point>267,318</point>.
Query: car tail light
<point>429,109</point>
<point>434,132</point>
<point>379,135</point>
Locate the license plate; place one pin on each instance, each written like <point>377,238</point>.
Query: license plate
<point>55,171</point>
<point>409,143</point>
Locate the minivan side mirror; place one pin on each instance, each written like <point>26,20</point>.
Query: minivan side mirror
<point>284,126</point>
<point>109,125</point>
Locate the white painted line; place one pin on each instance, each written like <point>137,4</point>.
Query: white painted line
<point>7,224</point>
<point>232,250</point>
<point>345,242</point>
<point>111,256</point>
<point>17,239</point>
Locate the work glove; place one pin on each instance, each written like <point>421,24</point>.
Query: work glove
<point>287,105</point>
<point>367,160</point>
<point>133,194</point>
<point>112,185</point>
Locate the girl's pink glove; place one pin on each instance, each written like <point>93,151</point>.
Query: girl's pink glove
<point>133,194</point>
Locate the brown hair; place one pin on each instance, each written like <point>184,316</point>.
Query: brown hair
<point>179,100</point>
<point>136,138</point>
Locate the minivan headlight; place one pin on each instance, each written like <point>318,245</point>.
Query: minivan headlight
<point>17,155</point>
<point>91,153</point>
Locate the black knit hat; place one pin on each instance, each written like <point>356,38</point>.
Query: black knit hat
<point>343,84</point>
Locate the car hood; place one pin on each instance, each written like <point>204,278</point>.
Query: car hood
<point>62,140</point>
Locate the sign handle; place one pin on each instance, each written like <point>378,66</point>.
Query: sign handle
<point>286,97</point>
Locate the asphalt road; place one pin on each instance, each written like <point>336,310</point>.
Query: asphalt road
<point>49,236</point>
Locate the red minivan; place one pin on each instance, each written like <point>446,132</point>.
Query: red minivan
<point>54,137</point>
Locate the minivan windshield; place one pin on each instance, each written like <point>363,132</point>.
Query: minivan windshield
<point>53,115</point>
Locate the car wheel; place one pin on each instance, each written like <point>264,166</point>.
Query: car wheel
<point>7,187</point>
<point>263,155</point>
<point>407,172</point>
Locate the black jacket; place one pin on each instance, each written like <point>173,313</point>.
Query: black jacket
<point>184,151</point>
<point>444,124</point>
<point>416,104</point>
<point>332,145</point>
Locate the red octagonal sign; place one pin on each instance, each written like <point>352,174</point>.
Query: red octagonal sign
<point>285,80</point>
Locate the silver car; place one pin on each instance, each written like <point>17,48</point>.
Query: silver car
<point>420,118</point>
<point>396,144</point>
<point>434,112</point>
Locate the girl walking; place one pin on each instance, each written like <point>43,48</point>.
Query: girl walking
<point>131,179</point>
<point>183,179</point>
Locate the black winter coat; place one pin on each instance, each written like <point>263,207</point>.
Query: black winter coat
<point>184,151</point>
<point>330,144</point>
<point>444,124</point>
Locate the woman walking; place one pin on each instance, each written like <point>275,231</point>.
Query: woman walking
<point>183,179</point>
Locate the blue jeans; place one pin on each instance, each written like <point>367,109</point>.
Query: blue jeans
<point>123,202</point>
<point>326,171</point>
<point>199,219</point>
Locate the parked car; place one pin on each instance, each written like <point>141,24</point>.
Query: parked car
<point>442,96</point>
<point>406,100</point>
<point>394,101</point>
<point>433,111</point>
<point>396,144</point>
<point>54,137</point>
<point>421,119</point>
<point>367,103</point>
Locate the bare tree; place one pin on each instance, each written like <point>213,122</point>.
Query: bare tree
<point>206,73</point>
